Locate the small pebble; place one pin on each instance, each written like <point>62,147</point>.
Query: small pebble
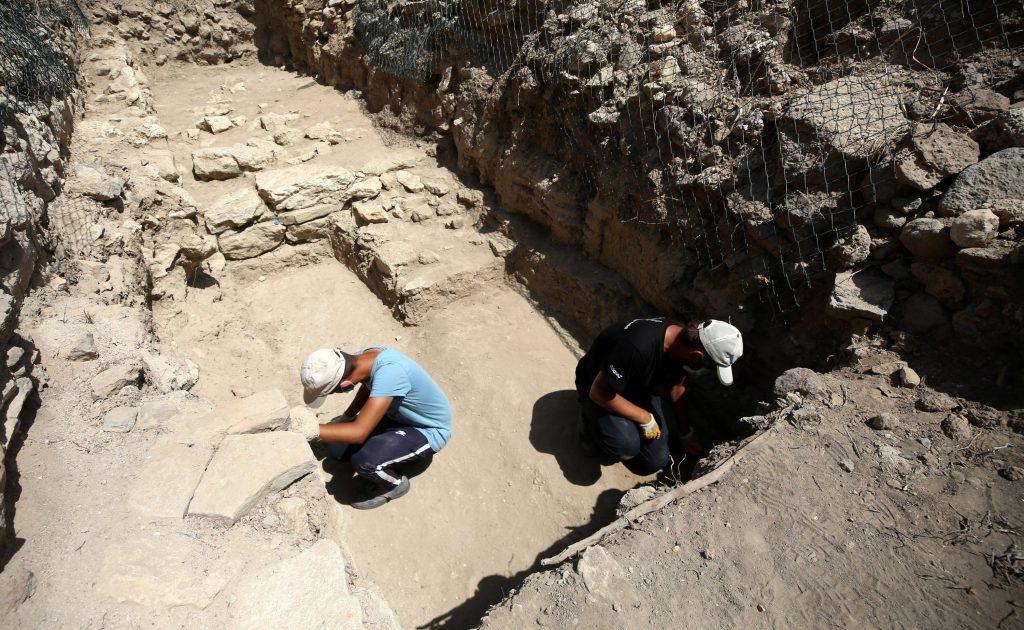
<point>847,465</point>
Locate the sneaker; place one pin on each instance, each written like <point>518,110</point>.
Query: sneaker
<point>378,496</point>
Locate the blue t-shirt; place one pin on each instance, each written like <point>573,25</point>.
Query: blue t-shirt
<point>418,401</point>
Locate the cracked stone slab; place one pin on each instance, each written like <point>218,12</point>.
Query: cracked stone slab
<point>271,597</point>
<point>245,469</point>
<point>166,482</point>
<point>166,570</point>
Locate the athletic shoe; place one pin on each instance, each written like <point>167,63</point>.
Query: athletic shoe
<point>378,496</point>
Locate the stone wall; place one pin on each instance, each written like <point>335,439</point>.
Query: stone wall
<point>848,227</point>
<point>34,146</point>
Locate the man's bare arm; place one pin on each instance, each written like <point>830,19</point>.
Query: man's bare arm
<point>357,403</point>
<point>602,394</point>
<point>357,431</point>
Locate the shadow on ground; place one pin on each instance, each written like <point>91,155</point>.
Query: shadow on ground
<point>494,588</point>
<point>346,486</point>
<point>554,430</point>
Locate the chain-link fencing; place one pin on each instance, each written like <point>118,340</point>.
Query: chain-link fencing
<point>760,131</point>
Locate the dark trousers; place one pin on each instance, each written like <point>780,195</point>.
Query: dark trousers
<point>388,448</point>
<point>620,437</point>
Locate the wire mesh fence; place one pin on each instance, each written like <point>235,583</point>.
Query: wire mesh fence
<point>759,131</point>
<point>36,39</point>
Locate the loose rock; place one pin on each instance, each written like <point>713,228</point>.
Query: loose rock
<point>957,428</point>
<point>884,422</point>
<point>120,419</point>
<point>974,228</point>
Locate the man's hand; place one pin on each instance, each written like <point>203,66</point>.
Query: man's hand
<point>650,430</point>
<point>305,423</point>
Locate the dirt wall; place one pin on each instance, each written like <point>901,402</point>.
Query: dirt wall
<point>731,162</point>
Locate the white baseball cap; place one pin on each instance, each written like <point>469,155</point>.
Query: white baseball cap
<point>320,374</point>
<point>724,344</point>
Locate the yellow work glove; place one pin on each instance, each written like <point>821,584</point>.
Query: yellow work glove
<point>651,430</point>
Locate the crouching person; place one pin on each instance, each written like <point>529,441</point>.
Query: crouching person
<point>398,416</point>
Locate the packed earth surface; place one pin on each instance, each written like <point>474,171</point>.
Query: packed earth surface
<point>223,188</point>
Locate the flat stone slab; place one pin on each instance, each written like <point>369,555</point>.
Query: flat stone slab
<point>275,596</point>
<point>166,482</point>
<point>245,469</point>
<point>416,268</point>
<point>165,411</point>
<point>166,570</point>
<point>868,295</point>
<point>120,419</point>
<point>263,411</point>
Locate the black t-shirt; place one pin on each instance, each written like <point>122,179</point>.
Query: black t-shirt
<point>631,356</point>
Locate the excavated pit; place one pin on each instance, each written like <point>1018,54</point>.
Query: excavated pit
<point>512,486</point>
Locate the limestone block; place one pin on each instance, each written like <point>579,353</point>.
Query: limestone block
<point>369,212</point>
<point>300,187</point>
<point>252,241</point>
<point>321,131</point>
<point>170,373</point>
<point>410,181</point>
<point>95,184</point>
<point>215,124</point>
<point>366,189</point>
<point>867,295</point>
<point>164,411</point>
<point>271,597</point>
<point>263,411</point>
<point>311,230</point>
<point>113,379</point>
<point>245,469</point>
<point>162,571</point>
<point>391,164</point>
<point>210,164</point>
<point>435,187</point>
<point>166,481</point>
<point>305,215</point>
<point>234,211</point>
<point>120,419</point>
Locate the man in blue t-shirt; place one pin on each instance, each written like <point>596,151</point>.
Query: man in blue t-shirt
<point>398,416</point>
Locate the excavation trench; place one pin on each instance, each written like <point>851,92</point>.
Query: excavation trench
<point>512,485</point>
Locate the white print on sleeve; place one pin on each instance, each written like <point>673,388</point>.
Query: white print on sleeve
<point>614,371</point>
<point>649,319</point>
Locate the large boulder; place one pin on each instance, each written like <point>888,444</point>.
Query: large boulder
<point>252,241</point>
<point>999,176</point>
<point>856,116</point>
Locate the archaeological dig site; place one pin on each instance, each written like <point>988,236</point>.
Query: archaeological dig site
<point>502,314</point>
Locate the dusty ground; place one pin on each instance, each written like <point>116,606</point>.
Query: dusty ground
<point>826,523</point>
<point>510,484</point>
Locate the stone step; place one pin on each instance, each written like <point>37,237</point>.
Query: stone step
<point>245,469</point>
<point>415,268</point>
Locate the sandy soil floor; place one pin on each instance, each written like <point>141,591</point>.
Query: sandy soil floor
<point>510,485</point>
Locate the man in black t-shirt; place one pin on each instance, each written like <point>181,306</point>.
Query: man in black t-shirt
<point>620,378</point>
